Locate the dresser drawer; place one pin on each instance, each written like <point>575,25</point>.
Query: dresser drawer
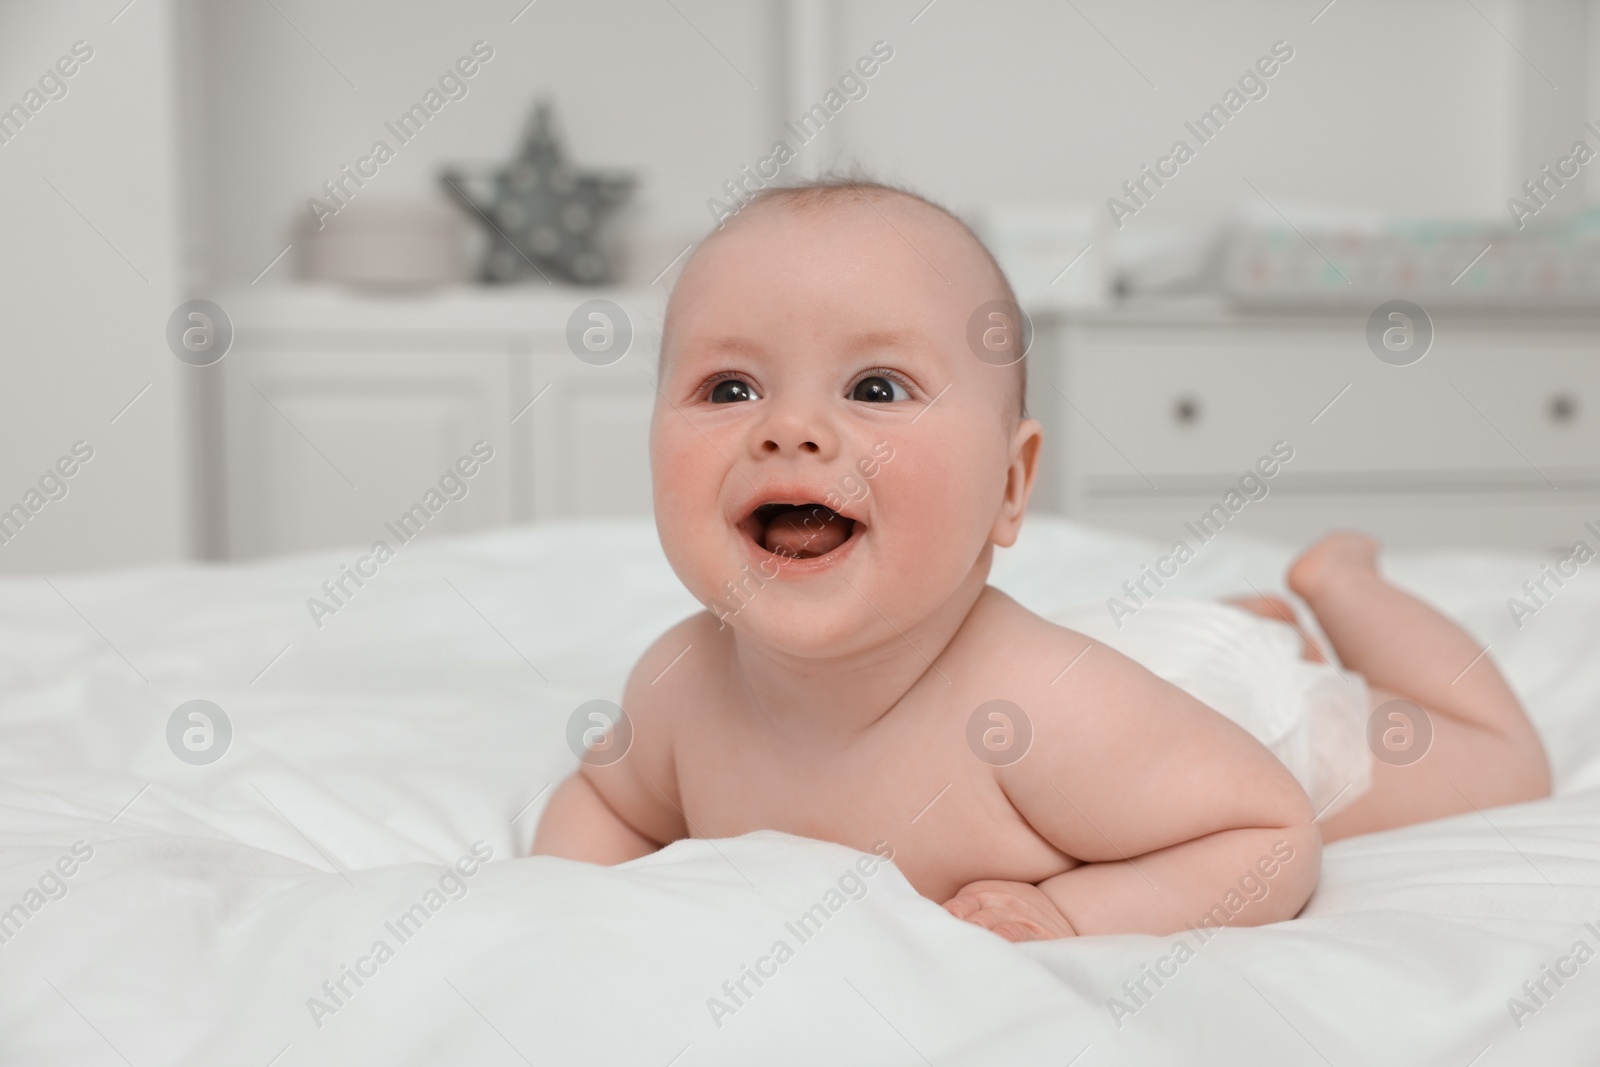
<point>1153,410</point>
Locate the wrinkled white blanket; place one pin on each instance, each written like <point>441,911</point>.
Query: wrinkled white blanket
<point>163,911</point>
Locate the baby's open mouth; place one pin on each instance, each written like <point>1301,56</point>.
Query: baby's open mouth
<point>799,531</point>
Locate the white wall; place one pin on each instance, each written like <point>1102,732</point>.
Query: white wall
<point>635,86</point>
<point>1414,106</point>
<point>1388,105</point>
<point>89,275</point>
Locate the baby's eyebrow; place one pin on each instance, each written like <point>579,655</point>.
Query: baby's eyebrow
<point>873,340</point>
<point>888,339</point>
<point>741,346</point>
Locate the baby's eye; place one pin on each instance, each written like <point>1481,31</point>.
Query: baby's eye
<point>877,389</point>
<point>731,391</point>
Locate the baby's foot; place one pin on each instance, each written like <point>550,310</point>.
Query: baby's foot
<point>1342,552</point>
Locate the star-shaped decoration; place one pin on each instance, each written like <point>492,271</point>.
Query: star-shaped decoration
<point>542,213</point>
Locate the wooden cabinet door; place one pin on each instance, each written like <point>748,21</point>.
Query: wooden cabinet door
<point>329,438</point>
<point>588,434</point>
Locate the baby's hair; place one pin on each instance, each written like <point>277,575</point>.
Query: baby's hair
<point>837,188</point>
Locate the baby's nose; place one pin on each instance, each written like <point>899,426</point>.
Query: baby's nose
<point>794,432</point>
<point>769,445</point>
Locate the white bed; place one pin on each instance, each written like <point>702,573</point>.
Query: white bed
<point>431,709</point>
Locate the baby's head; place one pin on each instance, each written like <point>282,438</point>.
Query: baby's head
<point>839,437</point>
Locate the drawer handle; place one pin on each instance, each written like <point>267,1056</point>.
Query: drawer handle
<point>1186,411</point>
<point>1563,407</point>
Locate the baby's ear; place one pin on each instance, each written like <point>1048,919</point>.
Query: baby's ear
<point>1023,467</point>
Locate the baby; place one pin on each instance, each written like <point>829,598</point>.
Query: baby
<point>822,341</point>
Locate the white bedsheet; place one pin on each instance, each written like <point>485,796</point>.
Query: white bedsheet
<point>431,709</point>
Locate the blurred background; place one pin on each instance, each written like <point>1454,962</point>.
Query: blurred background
<point>370,314</point>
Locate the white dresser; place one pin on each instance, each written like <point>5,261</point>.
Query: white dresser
<point>1491,439</point>
<point>335,413</point>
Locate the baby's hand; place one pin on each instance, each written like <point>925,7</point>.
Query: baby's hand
<point>1016,911</point>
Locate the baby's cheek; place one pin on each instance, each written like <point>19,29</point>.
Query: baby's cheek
<point>682,465</point>
<point>923,511</point>
<point>684,488</point>
<point>925,486</point>
<point>954,496</point>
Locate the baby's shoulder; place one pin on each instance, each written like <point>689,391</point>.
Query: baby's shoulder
<point>1001,632</point>
<point>1059,674</point>
<point>671,678</point>
<point>665,688</point>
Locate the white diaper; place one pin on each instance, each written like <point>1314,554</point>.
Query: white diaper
<point>1313,716</point>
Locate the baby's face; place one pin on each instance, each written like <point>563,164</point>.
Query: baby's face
<point>831,461</point>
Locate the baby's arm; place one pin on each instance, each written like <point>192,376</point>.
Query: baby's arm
<point>578,824</point>
<point>1179,816</point>
<point>614,812</point>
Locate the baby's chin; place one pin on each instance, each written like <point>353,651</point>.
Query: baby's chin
<point>821,614</point>
<point>805,627</point>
